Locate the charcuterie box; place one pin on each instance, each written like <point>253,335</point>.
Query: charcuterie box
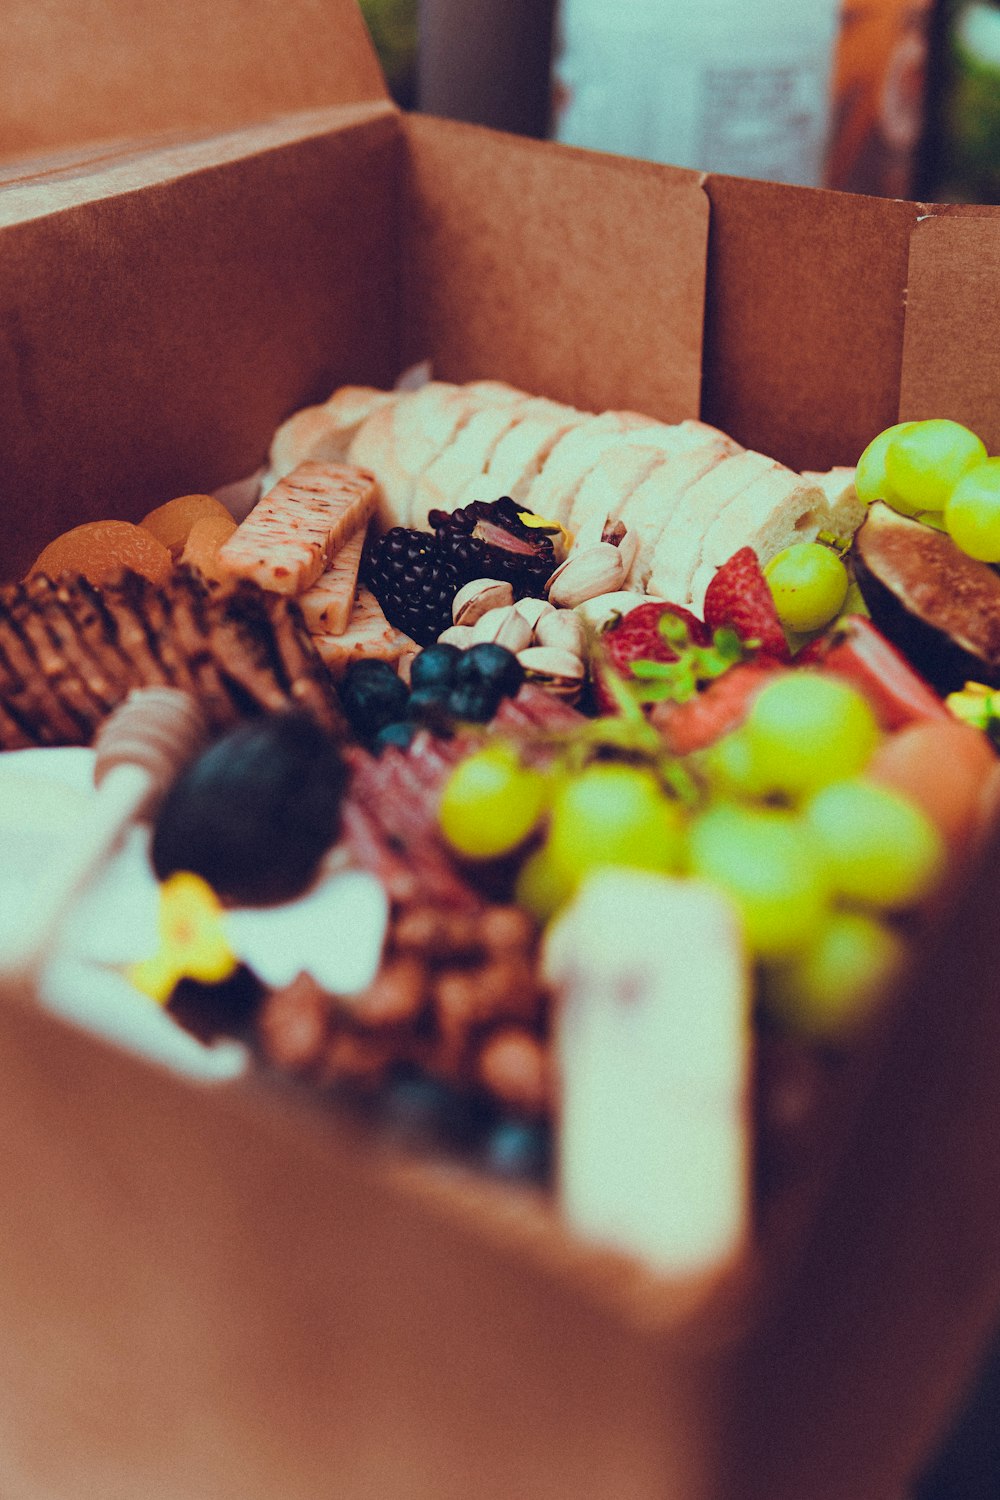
<point>232,1291</point>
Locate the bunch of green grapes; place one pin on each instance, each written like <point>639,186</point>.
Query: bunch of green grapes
<point>939,472</point>
<point>816,858</point>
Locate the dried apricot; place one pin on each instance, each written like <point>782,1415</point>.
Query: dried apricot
<point>100,550</point>
<point>171,522</point>
<point>201,550</point>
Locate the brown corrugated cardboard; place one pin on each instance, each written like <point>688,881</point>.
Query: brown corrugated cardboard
<point>228,1292</point>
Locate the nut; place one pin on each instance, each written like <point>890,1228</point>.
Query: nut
<point>477,598</point>
<point>504,627</point>
<point>533,610</point>
<point>457,635</point>
<point>585,574</point>
<point>565,629</point>
<point>560,672</point>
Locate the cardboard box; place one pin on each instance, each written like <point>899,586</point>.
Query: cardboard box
<point>230,1292</point>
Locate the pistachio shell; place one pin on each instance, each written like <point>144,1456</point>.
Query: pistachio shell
<point>477,598</point>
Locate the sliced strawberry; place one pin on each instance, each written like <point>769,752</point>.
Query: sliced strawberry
<point>739,597</point>
<point>858,651</point>
<point>719,707</point>
<point>637,637</point>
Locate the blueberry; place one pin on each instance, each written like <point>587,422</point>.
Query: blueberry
<point>435,666</point>
<point>519,1149</point>
<point>399,734</point>
<point>416,1109</point>
<point>475,702</point>
<point>490,663</point>
<point>429,705</point>
<point>372,696</point>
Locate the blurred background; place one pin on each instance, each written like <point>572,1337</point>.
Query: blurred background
<point>898,98</point>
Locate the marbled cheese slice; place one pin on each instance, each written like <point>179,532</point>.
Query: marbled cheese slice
<point>328,605</point>
<point>289,537</point>
<point>368,634</point>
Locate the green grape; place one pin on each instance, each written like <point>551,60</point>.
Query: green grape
<point>972,515</point>
<point>881,849</point>
<point>491,803</point>
<point>805,729</point>
<point>869,479</point>
<point>808,583</point>
<point>924,464</point>
<point>835,983</point>
<point>541,887</point>
<point>730,767</point>
<point>613,814</point>
<point>768,863</point>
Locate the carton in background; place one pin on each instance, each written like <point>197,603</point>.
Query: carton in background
<point>231,1292</point>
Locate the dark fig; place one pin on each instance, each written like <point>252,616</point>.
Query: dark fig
<point>938,605</point>
<point>255,812</point>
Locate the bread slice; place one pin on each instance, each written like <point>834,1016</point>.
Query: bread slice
<point>611,481</point>
<point>324,433</point>
<point>458,473</point>
<point>846,510</point>
<point>398,442</point>
<point>647,511</point>
<point>680,437</point>
<point>678,550</point>
<point>774,511</point>
<point>496,391</point>
<point>521,452</point>
<point>552,494</point>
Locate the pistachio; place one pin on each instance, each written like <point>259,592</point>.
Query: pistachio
<point>504,627</point>
<point>563,628</point>
<point>586,573</point>
<point>477,598</point>
<point>534,609</point>
<point>598,612</point>
<point>561,672</point>
<point>457,635</point>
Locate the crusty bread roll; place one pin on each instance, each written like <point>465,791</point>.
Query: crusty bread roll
<point>679,547</point>
<point>648,509</point>
<point>325,432</point>
<point>777,509</point>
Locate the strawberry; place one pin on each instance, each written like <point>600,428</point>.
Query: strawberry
<point>856,650</point>
<point>637,637</point>
<point>739,596</point>
<point>719,707</point>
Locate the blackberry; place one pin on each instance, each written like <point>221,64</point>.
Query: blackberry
<point>414,582</point>
<point>487,539</point>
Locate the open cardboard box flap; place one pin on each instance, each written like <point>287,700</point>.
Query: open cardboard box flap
<point>163,308</point>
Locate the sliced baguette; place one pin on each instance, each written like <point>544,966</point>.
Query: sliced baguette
<point>552,494</point>
<point>680,437</point>
<point>678,550</point>
<point>521,452</point>
<point>325,432</point>
<point>774,511</point>
<point>846,510</point>
<point>400,441</point>
<point>614,477</point>
<point>457,474</point>
<point>647,511</point>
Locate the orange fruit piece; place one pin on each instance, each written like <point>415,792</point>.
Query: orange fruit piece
<point>201,550</point>
<point>944,767</point>
<point>171,522</point>
<point>100,550</point>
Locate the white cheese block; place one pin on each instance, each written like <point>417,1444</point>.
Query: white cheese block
<point>652,1039</point>
<point>327,606</point>
<point>368,634</point>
